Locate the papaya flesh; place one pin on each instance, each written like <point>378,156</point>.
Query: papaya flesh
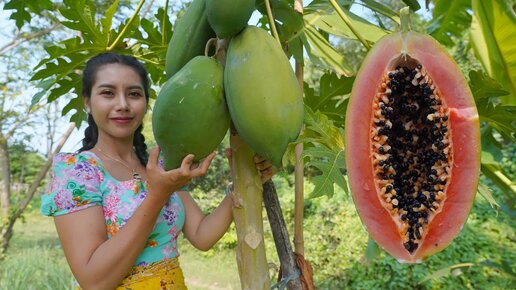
<point>228,17</point>
<point>190,115</point>
<point>412,146</point>
<point>263,94</point>
<point>191,32</point>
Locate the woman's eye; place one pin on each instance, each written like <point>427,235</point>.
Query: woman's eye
<point>108,93</point>
<point>135,94</point>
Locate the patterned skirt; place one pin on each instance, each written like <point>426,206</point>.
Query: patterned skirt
<point>166,274</point>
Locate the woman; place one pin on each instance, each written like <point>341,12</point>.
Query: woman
<point>117,212</point>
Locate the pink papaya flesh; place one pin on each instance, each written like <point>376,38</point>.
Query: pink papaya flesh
<point>412,146</point>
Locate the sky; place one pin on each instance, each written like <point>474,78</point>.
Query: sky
<point>74,142</point>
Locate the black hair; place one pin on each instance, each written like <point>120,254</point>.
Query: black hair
<point>91,133</point>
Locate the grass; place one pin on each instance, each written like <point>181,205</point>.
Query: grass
<point>35,260</point>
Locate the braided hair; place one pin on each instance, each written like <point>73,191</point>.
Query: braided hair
<point>91,133</point>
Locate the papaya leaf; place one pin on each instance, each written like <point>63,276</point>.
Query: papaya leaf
<point>330,163</point>
<point>288,22</point>
<point>502,118</point>
<point>381,9</point>
<point>108,19</point>
<point>450,18</point>
<point>499,179</point>
<point>318,127</point>
<point>323,53</point>
<point>492,37</point>
<point>333,24</point>
<point>22,10</point>
<point>482,86</point>
<point>324,7</point>
<point>485,192</point>
<point>491,148</point>
<point>334,91</point>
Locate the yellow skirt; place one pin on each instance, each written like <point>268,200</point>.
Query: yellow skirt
<point>166,274</point>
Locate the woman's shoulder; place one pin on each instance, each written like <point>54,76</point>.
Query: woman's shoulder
<point>73,159</point>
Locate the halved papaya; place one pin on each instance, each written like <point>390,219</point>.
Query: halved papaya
<point>412,146</point>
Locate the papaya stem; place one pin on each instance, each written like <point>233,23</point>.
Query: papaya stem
<point>208,45</point>
<point>346,20</point>
<point>271,20</point>
<point>405,19</point>
<point>126,27</point>
<point>163,32</point>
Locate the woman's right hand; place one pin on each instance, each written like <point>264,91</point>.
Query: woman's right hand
<point>164,183</point>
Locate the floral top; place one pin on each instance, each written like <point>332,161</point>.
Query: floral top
<point>79,181</point>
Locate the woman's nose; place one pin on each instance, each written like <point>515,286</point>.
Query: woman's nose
<point>122,103</point>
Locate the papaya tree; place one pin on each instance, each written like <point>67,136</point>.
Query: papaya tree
<point>311,35</point>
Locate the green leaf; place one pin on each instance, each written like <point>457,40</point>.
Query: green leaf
<point>107,20</point>
<point>288,22</point>
<point>372,250</point>
<point>482,86</point>
<point>382,9</point>
<point>493,31</point>
<point>330,163</point>
<point>504,266</point>
<point>502,118</point>
<point>322,52</point>
<point>498,177</point>
<point>319,127</point>
<point>491,148</point>
<point>22,10</point>
<point>486,193</point>
<point>332,100</point>
<point>450,18</point>
<point>333,24</point>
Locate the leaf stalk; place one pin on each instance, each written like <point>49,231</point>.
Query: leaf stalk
<point>346,20</point>
<point>126,27</point>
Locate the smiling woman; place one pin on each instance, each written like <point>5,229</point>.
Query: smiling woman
<point>118,213</point>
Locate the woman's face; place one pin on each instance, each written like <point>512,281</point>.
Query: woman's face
<point>117,101</point>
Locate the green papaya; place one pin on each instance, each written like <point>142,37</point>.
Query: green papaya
<point>191,32</point>
<point>263,95</point>
<point>228,17</point>
<point>190,115</point>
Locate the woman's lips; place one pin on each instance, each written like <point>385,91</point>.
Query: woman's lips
<point>122,120</point>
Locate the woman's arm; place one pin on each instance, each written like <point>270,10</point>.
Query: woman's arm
<point>204,231</point>
<point>99,263</point>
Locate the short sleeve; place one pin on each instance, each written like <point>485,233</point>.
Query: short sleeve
<point>75,181</point>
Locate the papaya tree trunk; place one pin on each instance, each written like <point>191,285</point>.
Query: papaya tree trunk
<point>250,253</point>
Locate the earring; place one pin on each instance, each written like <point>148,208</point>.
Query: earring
<point>88,110</point>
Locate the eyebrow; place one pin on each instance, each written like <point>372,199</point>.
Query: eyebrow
<point>114,87</point>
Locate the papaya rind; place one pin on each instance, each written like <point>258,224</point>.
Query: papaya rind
<point>190,115</point>
<point>191,32</point>
<point>465,141</point>
<point>263,95</point>
<point>228,17</point>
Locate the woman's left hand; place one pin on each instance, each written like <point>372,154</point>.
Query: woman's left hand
<point>266,169</point>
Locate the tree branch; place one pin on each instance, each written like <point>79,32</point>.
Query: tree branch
<point>19,40</point>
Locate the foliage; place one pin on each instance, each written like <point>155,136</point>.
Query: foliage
<point>493,31</point>
<point>25,163</point>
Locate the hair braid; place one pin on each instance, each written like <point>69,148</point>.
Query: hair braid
<point>140,147</point>
<point>91,135</point>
